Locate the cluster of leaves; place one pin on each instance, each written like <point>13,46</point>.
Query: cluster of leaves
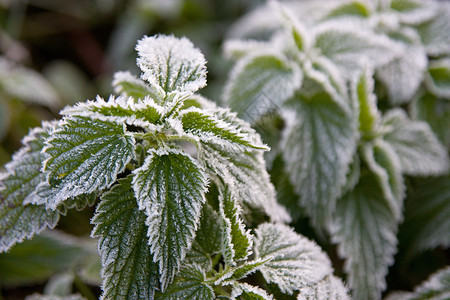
<point>339,75</point>
<point>175,175</point>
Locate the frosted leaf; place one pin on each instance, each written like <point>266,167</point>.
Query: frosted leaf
<point>329,288</point>
<point>295,262</point>
<point>261,82</point>
<point>245,291</point>
<point>240,272</point>
<point>319,141</point>
<point>357,8</point>
<point>384,163</point>
<point>352,49</point>
<point>426,217</point>
<point>170,64</point>
<point>128,270</point>
<point>362,93</point>
<point>436,287</point>
<point>128,85</point>
<point>27,85</point>
<point>245,172</point>
<point>54,297</point>
<point>414,11</point>
<point>143,113</point>
<point>404,75</point>
<point>438,78</point>
<point>237,49</point>
<point>208,238</point>
<point>189,284</point>
<point>17,220</point>
<point>84,156</point>
<point>418,149</point>
<point>208,127</point>
<point>435,33</point>
<point>236,240</point>
<point>170,187</point>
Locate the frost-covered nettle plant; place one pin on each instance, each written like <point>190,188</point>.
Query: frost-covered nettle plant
<point>174,175</point>
<point>322,67</point>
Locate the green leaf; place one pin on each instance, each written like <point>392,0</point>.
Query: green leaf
<point>247,174</point>
<point>438,79</point>
<point>260,83</point>
<point>238,49</point>
<point>436,112</point>
<point>53,297</point>
<point>436,287</point>
<point>319,142</point>
<point>170,64</point>
<point>17,220</point>
<point>245,291</point>
<point>418,149</point>
<point>208,127</point>
<point>128,85</point>
<point>295,262</point>
<point>240,272</point>
<point>34,261</point>
<point>208,238</point>
<point>189,284</point>
<point>144,112</point>
<point>362,93</point>
<point>85,156</point>
<point>128,270</point>
<point>435,32</point>
<point>170,186</point>
<point>330,287</point>
<point>352,49</point>
<point>236,241</point>
<point>356,8</point>
<point>365,228</point>
<point>426,215</point>
<point>384,163</point>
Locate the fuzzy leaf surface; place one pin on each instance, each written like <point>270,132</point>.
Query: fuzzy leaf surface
<point>128,270</point>
<point>85,156</point>
<point>365,230</point>
<point>170,187</point>
<point>363,95</point>
<point>435,32</point>
<point>245,291</point>
<point>260,83</point>
<point>329,288</point>
<point>128,85</point>
<point>189,284</point>
<point>319,143</point>
<point>438,79</point>
<point>418,149</point>
<point>295,262</point>
<point>18,221</point>
<point>171,64</point>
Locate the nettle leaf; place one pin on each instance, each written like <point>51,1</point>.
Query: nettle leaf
<point>246,174</point>
<point>362,93</point>
<point>295,262</point>
<point>435,32</point>
<point>260,83</point>
<point>138,112</point>
<point>404,75</point>
<point>384,163</point>
<point>350,8</point>
<point>240,272</point>
<point>208,238</point>
<point>55,297</point>
<point>319,142</point>
<point>436,287</point>
<point>18,221</point>
<point>413,11</point>
<point>85,156</point>
<point>418,149</point>
<point>236,241</point>
<point>330,287</point>
<point>171,64</point>
<point>365,228</point>
<point>128,85</point>
<point>245,291</point>
<point>170,186</point>
<point>189,284</point>
<point>438,79</point>
<point>353,49</point>
<point>237,49</point>
<point>426,214</point>
<point>128,270</point>
<point>206,126</point>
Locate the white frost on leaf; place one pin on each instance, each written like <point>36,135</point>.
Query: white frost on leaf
<point>171,64</point>
<point>247,291</point>
<point>435,33</point>
<point>437,78</point>
<point>329,288</point>
<point>296,262</point>
<point>128,85</point>
<point>170,187</point>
